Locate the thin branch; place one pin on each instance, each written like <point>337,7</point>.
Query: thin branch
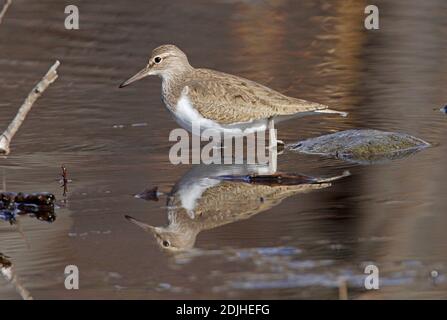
<point>6,137</point>
<point>8,271</point>
<point>10,276</point>
<point>5,8</point>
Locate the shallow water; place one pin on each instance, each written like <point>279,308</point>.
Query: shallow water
<point>114,143</point>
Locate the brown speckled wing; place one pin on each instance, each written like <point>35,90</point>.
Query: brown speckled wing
<point>230,99</point>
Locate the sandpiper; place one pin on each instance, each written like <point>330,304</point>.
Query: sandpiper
<point>220,101</point>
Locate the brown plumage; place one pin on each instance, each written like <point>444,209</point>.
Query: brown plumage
<point>229,99</point>
<point>223,98</point>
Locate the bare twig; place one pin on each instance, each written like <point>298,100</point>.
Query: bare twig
<point>64,181</point>
<point>11,276</point>
<point>5,8</point>
<point>6,137</point>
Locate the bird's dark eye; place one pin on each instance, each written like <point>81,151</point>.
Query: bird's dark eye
<point>157,59</point>
<point>165,244</point>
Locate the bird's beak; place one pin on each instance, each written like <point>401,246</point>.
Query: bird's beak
<point>140,75</point>
<point>142,225</point>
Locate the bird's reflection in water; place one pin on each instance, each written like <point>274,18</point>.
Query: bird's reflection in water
<point>209,196</point>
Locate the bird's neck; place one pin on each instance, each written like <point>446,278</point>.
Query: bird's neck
<point>172,84</point>
<point>176,73</point>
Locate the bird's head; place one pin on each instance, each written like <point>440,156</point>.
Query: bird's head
<point>165,61</point>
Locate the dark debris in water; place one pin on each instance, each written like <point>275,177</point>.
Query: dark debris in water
<point>151,194</point>
<point>4,261</point>
<point>280,179</point>
<point>40,198</point>
<point>38,205</point>
<point>271,180</point>
<point>364,146</point>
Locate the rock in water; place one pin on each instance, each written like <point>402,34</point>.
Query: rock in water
<point>362,146</point>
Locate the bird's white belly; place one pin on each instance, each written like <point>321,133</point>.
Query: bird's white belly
<point>188,117</point>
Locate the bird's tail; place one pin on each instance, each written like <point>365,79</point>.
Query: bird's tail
<point>343,175</point>
<point>341,113</point>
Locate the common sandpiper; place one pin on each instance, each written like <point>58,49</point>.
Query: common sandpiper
<point>220,101</point>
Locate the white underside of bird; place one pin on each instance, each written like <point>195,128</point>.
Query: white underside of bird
<point>191,191</point>
<point>189,118</point>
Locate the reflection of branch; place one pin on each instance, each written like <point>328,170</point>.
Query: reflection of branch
<point>7,270</point>
<point>5,8</point>
<point>3,180</point>
<point>22,234</point>
<point>6,137</point>
<point>11,276</point>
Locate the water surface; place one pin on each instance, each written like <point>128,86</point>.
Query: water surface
<point>114,143</point>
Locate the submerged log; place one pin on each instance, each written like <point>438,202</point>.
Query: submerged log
<point>362,146</point>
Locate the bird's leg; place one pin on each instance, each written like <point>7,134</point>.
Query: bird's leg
<point>273,142</point>
<point>273,160</point>
<point>273,146</point>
